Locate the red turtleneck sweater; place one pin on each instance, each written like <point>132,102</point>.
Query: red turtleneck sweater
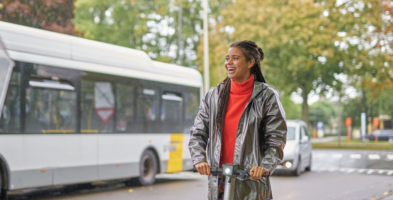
<point>239,96</point>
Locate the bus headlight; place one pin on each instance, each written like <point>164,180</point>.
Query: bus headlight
<point>288,164</point>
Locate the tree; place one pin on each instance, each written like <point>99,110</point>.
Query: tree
<point>322,111</point>
<point>52,15</point>
<point>297,38</point>
<point>151,26</point>
<point>307,44</point>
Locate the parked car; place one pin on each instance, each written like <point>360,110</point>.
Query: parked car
<point>297,151</point>
<point>383,135</point>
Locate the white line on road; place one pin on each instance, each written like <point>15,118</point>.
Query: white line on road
<point>318,155</point>
<point>390,157</point>
<point>370,171</point>
<point>374,156</point>
<point>361,170</point>
<point>390,172</point>
<point>350,171</point>
<point>381,171</point>
<point>332,170</point>
<point>355,156</point>
<point>337,155</point>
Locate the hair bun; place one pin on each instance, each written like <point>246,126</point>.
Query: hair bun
<point>261,54</point>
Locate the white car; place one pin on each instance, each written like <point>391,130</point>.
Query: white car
<point>298,150</point>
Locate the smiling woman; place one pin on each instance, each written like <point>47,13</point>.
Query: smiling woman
<point>240,122</point>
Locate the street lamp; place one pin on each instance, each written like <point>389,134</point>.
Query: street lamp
<point>205,46</point>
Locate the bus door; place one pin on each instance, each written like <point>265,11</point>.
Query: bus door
<point>172,122</point>
<point>6,65</point>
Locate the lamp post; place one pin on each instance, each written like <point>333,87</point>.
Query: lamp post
<point>205,47</point>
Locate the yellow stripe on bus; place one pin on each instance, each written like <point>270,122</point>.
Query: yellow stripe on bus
<point>57,131</point>
<point>175,162</point>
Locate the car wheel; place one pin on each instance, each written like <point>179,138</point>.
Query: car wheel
<point>308,168</point>
<point>148,168</point>
<point>298,169</point>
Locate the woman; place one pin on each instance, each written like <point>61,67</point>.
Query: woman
<point>240,122</point>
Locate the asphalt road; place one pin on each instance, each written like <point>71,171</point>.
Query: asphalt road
<point>336,174</point>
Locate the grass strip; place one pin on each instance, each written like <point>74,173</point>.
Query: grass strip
<point>353,145</point>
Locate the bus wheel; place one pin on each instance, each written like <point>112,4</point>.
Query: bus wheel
<point>3,192</point>
<point>148,168</point>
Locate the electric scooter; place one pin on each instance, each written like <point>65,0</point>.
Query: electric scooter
<point>231,171</point>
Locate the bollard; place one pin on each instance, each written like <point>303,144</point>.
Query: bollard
<point>376,123</point>
<point>348,123</point>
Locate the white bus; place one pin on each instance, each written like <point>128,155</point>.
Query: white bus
<point>79,111</point>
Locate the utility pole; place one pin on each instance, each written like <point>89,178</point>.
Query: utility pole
<point>179,38</point>
<point>205,47</point>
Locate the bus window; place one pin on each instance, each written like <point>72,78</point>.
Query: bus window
<point>147,110</point>
<point>125,110</point>
<point>97,107</point>
<point>171,113</point>
<point>50,99</point>
<point>50,107</point>
<point>10,118</point>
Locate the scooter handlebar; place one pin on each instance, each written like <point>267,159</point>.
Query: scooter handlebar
<point>215,171</point>
<point>243,174</point>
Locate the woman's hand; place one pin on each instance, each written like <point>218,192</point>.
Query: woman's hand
<point>256,172</point>
<point>203,168</point>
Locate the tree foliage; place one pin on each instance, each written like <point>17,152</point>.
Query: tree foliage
<point>150,25</point>
<point>307,44</point>
<point>53,15</point>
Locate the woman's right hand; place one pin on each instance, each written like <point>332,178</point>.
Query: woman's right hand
<point>203,168</point>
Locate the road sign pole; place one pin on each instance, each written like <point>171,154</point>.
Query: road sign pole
<point>363,124</point>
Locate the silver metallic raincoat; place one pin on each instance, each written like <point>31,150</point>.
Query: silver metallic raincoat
<point>260,140</point>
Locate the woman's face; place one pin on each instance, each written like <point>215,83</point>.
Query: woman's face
<point>237,66</point>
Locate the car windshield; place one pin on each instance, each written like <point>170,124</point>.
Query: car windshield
<point>291,134</point>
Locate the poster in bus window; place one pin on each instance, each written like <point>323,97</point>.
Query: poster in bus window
<point>6,65</point>
<point>104,101</point>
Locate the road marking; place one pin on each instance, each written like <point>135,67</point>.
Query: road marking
<point>337,155</point>
<point>361,170</point>
<point>332,170</point>
<point>350,171</point>
<point>370,171</point>
<point>355,156</point>
<point>374,156</point>
<point>318,155</point>
<point>390,157</point>
<point>381,171</point>
<point>390,172</point>
<point>323,169</point>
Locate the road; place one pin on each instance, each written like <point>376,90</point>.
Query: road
<point>336,174</point>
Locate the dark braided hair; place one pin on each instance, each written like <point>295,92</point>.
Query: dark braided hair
<point>251,51</point>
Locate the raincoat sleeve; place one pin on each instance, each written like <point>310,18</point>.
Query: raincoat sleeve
<point>199,133</point>
<point>275,132</point>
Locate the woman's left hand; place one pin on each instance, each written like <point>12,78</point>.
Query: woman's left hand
<point>256,172</point>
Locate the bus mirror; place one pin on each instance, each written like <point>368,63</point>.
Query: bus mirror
<point>6,65</point>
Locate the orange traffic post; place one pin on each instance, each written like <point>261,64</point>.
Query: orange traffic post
<point>376,123</point>
<point>348,123</point>
<point>314,133</point>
